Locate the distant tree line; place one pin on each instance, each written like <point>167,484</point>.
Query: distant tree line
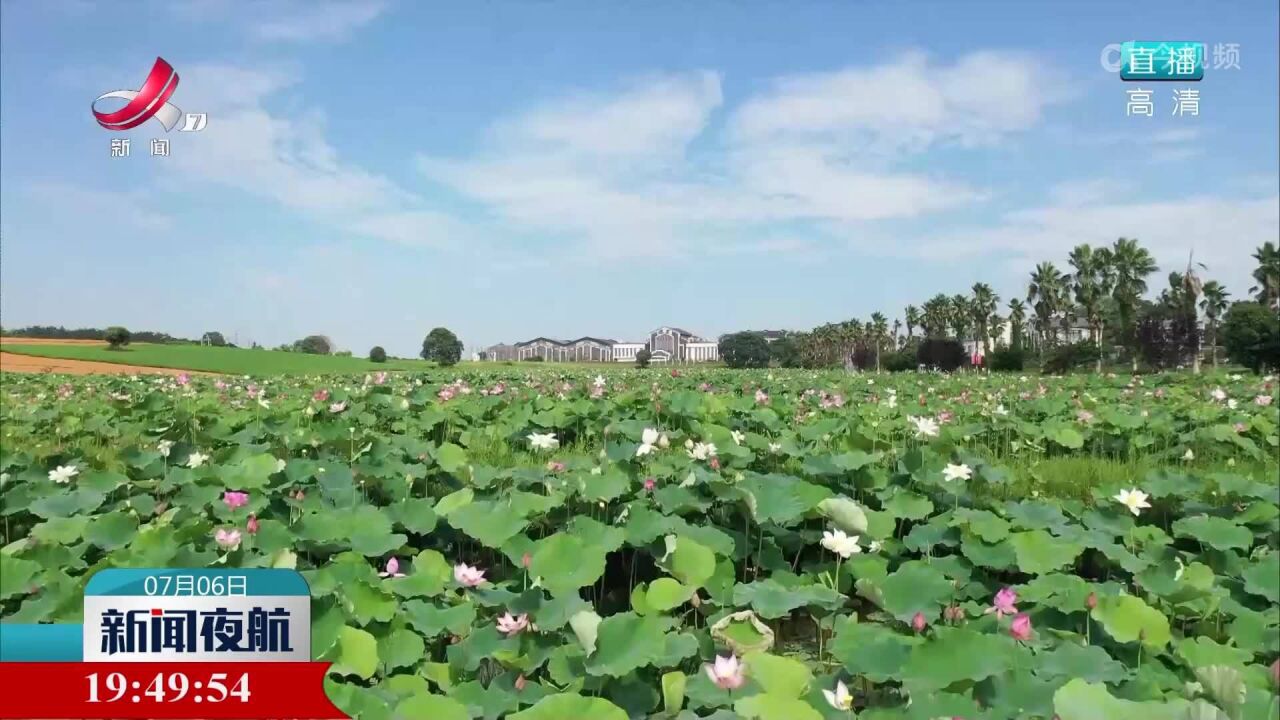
<point>1095,312</point>
<point>62,333</point>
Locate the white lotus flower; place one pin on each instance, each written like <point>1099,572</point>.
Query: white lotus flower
<point>1219,394</point>
<point>164,446</point>
<point>737,437</point>
<point>648,441</point>
<point>925,427</point>
<point>1188,455</point>
<point>280,465</point>
<point>63,473</point>
<point>841,699</point>
<point>1178,574</point>
<point>1231,404</point>
<point>1000,410</point>
<point>775,448</point>
<point>839,543</point>
<point>543,441</point>
<point>264,403</point>
<point>196,459</point>
<point>703,451</point>
<point>1134,499</point>
<point>874,546</point>
<point>957,472</point>
<point>599,381</point>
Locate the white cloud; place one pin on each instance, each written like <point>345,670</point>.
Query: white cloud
<point>114,209</point>
<point>288,160</point>
<point>638,172</point>
<point>907,103</point>
<point>285,20</point>
<point>309,21</point>
<point>1222,232</point>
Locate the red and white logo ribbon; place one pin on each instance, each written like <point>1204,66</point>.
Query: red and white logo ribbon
<point>151,101</point>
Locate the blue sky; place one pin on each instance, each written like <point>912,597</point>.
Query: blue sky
<point>509,169</point>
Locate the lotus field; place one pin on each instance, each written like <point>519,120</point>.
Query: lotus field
<point>785,545</point>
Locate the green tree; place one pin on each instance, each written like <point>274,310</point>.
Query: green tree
<point>314,345</point>
<point>1046,294</point>
<point>744,350</point>
<point>442,346</point>
<point>879,332</point>
<point>1251,334</point>
<point>213,338</point>
<point>960,316</point>
<point>785,351</point>
<point>1091,283</point>
<point>935,316</point>
<point>983,306</point>
<point>1213,303</point>
<point>1131,264</point>
<point>377,354</point>
<point>1267,275</point>
<point>1017,322</point>
<point>912,318</point>
<point>643,357</point>
<point>116,337</point>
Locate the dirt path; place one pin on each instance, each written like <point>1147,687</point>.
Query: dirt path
<point>14,362</point>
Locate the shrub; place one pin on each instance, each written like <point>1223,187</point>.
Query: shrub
<point>942,353</point>
<point>116,337</point>
<point>643,357</point>
<point>213,338</point>
<point>1251,334</point>
<point>442,346</point>
<point>899,361</point>
<point>744,350</point>
<point>377,354</point>
<point>534,358</point>
<point>1167,337</point>
<point>1062,359</point>
<point>1007,359</point>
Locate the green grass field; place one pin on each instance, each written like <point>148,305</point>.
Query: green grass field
<point>232,361</point>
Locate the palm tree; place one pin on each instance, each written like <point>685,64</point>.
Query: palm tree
<point>1045,294</point>
<point>1267,275</point>
<point>913,319</point>
<point>1213,304</point>
<point>960,315</point>
<point>937,310</point>
<point>1130,266</point>
<point>1091,282</point>
<point>897,333</point>
<point>1017,321</point>
<point>984,305</point>
<point>1192,287</point>
<point>879,333</point>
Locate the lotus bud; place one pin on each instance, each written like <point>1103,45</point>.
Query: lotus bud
<point>525,560</point>
<point>520,683</point>
<point>918,623</point>
<point>1091,601</point>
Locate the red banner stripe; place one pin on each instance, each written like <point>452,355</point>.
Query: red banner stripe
<point>120,690</point>
<point>155,92</point>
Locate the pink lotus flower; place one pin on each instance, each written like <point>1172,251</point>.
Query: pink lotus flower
<point>468,576</point>
<point>1003,604</point>
<point>704,387</point>
<point>1262,400</point>
<point>555,466</point>
<point>184,379</point>
<point>650,483</point>
<point>234,499</point>
<point>338,407</point>
<point>945,416</point>
<point>1240,427</point>
<point>220,385</point>
<point>1020,628</point>
<point>1159,392</point>
<point>379,378</point>
<point>512,626</point>
<point>918,623</point>
<point>227,539</point>
<point>393,569</point>
<point>252,525</point>
<point>727,673</point>
<point>1084,416</point>
<point>320,395</point>
<point>762,397</point>
<point>525,559</point>
<point>715,463</point>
